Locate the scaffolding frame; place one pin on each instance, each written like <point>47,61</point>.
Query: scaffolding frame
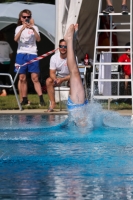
<point>96,47</point>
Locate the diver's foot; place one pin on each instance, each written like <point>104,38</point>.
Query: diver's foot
<point>76,27</point>
<point>69,34</point>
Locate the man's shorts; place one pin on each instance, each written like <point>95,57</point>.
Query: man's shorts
<point>64,83</point>
<point>71,105</point>
<point>32,67</point>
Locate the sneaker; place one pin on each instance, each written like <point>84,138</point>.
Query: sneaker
<point>124,9</point>
<point>42,103</point>
<point>25,103</point>
<point>108,10</point>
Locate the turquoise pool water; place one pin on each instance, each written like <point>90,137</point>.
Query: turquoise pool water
<point>43,158</point>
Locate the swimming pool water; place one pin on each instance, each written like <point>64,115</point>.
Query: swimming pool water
<point>42,159</point>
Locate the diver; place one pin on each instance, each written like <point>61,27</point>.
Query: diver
<point>76,101</point>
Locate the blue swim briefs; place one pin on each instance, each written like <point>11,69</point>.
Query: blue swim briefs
<point>71,105</point>
<point>22,58</point>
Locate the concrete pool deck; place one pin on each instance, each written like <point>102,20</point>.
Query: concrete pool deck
<point>34,111</point>
<point>56,111</point>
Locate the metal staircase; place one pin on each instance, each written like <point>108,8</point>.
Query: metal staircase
<point>120,50</point>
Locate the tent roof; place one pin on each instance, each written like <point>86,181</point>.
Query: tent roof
<point>43,14</point>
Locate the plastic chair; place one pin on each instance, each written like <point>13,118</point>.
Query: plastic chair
<point>61,94</point>
<point>12,85</point>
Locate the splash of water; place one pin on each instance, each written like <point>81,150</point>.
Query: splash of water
<point>93,115</point>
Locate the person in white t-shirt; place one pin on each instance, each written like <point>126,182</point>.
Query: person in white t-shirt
<point>5,58</point>
<point>59,73</point>
<point>26,34</point>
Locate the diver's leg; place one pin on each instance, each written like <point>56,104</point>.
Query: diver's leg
<point>77,93</point>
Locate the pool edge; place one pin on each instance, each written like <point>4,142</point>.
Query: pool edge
<point>56,111</point>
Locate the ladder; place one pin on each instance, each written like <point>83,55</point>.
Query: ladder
<point>128,29</point>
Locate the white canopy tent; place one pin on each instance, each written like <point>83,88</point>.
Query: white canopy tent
<point>43,14</point>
